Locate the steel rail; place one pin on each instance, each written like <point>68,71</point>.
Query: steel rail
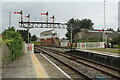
<point>75,58</point>
<point>87,77</point>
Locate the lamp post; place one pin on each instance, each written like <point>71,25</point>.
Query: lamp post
<point>104,24</point>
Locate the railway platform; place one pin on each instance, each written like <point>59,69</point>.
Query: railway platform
<point>33,66</point>
<point>101,53</point>
<point>106,58</point>
<point>26,66</point>
<point>39,66</point>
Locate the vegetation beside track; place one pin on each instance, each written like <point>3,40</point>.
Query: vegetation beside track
<point>14,42</point>
<point>112,50</point>
<point>89,40</point>
<point>116,46</point>
<point>35,42</point>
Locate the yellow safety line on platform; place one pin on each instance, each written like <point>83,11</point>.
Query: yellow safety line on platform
<point>38,67</point>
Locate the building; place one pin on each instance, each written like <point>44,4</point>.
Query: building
<point>49,38</point>
<point>87,34</point>
<point>49,34</point>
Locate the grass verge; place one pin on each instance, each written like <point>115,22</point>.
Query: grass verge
<point>112,50</point>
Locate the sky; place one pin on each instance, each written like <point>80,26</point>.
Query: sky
<point>63,11</point>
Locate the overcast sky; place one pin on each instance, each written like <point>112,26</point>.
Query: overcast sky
<point>63,11</point>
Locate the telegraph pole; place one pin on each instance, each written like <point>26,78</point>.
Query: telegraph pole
<point>21,16</point>
<point>28,34</point>
<point>9,19</point>
<point>53,18</point>
<point>28,28</point>
<point>71,28</point>
<point>47,17</point>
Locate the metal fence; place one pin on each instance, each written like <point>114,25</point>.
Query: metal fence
<point>90,45</point>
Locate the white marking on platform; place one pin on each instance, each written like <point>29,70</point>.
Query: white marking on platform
<point>57,67</point>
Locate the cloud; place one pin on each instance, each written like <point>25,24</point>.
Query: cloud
<point>58,0</point>
<point>63,11</point>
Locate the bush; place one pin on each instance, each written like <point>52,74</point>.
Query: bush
<point>35,42</point>
<point>116,40</point>
<point>14,41</point>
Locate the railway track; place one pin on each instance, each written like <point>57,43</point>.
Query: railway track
<point>74,73</point>
<point>109,72</point>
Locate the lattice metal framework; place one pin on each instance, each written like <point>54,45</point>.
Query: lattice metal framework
<point>41,25</point>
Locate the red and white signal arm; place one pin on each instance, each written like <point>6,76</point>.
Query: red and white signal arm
<point>100,30</point>
<point>17,12</point>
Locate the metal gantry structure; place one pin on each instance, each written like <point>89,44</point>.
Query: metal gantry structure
<point>42,25</point>
<point>29,25</point>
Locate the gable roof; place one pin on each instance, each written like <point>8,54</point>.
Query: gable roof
<point>49,31</point>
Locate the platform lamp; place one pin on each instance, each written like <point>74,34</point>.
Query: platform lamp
<point>104,23</point>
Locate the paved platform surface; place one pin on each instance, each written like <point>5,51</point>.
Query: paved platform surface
<point>25,67</point>
<point>101,52</point>
<point>40,71</point>
<point>31,66</point>
<point>21,68</point>
<point>0,61</point>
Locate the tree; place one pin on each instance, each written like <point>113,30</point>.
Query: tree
<point>116,40</point>
<point>5,33</point>
<point>86,24</point>
<point>77,25</point>
<point>33,38</point>
<point>110,29</point>
<point>118,30</point>
<point>24,34</point>
<point>14,41</point>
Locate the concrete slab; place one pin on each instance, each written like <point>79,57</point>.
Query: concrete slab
<point>21,68</point>
<point>100,57</point>
<point>0,59</point>
<point>41,73</point>
<point>101,53</point>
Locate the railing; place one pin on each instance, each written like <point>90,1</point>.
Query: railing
<point>89,45</point>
